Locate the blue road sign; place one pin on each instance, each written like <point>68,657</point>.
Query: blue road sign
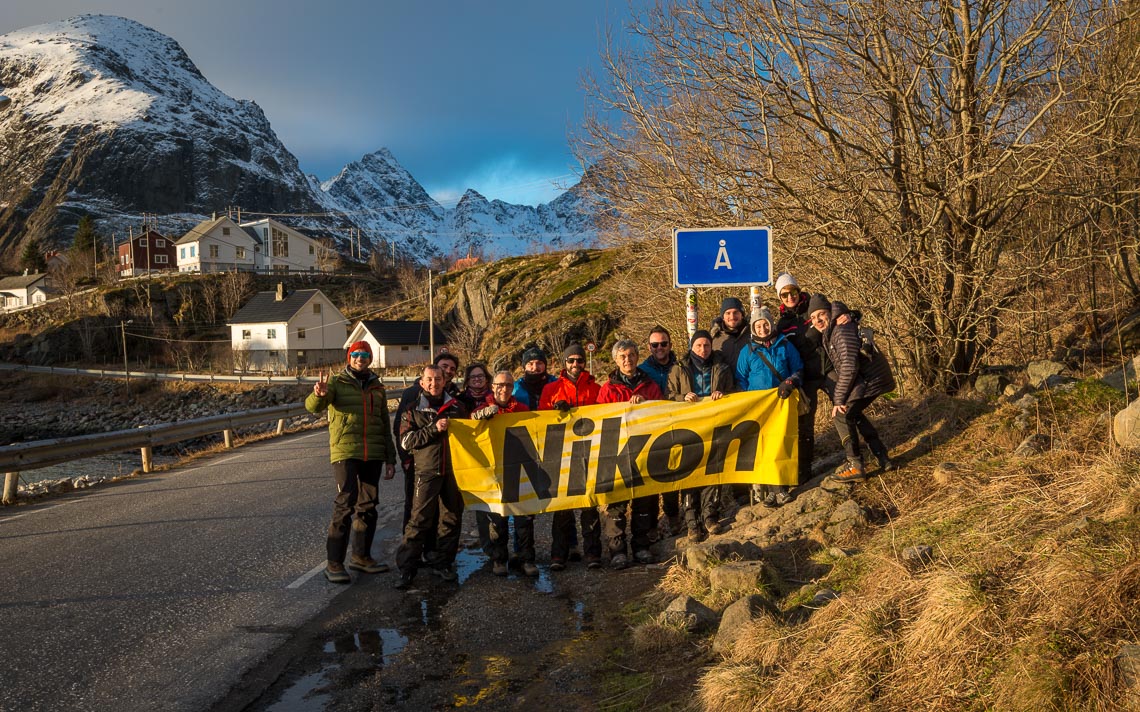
<point>722,257</point>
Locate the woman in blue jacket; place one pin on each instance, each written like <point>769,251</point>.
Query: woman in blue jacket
<point>769,361</point>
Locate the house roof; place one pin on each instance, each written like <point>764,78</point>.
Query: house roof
<point>264,307</point>
<point>409,333</point>
<point>21,281</point>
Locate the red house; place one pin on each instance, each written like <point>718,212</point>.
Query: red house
<point>146,253</point>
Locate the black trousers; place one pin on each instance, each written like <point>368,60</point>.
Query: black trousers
<point>409,467</point>
<point>807,433</point>
<point>701,504</point>
<point>642,528</point>
<point>852,424</point>
<point>356,485</point>
<point>494,533</point>
<point>671,503</point>
<point>437,507</point>
<point>564,534</point>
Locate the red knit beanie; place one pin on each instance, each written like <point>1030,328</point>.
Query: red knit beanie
<point>358,346</point>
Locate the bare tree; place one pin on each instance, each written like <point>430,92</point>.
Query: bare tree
<point>465,337</point>
<point>236,288</point>
<point>899,148</point>
<point>328,259</point>
<point>211,290</point>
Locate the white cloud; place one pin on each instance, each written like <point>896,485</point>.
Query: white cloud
<point>505,178</point>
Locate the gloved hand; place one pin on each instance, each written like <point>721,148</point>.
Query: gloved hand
<point>785,389</point>
<point>562,406</point>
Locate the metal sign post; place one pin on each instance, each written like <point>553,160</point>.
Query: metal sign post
<point>591,347</point>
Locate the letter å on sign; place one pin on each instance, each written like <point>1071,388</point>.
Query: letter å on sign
<point>527,463</point>
<point>722,257</point>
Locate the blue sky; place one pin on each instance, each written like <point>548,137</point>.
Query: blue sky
<point>476,95</point>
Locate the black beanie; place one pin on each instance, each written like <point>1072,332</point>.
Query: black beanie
<point>533,353</point>
<point>700,334</point>
<point>817,302</point>
<point>731,303</point>
<point>573,350</point>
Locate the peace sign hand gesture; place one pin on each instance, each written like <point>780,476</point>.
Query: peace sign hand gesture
<point>321,387</point>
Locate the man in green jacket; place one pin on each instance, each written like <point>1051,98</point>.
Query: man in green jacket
<point>360,445</point>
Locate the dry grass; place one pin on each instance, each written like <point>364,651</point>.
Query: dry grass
<point>1035,584</point>
<point>658,635</point>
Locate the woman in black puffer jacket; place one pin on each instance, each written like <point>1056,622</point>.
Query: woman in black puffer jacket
<point>853,382</point>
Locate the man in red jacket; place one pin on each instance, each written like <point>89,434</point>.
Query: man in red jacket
<point>574,387</point>
<point>628,383</point>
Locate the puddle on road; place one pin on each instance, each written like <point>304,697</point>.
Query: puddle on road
<point>310,693</point>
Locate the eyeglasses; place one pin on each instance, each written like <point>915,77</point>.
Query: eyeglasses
<point>789,293</point>
<point>658,344</point>
<point>360,354</point>
<point>501,385</point>
<point>576,359</point>
<point>477,377</point>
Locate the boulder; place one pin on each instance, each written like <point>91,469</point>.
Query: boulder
<point>576,257</point>
<point>1060,382</point>
<point>849,511</point>
<point>697,557</point>
<point>946,472</point>
<point>736,618</point>
<point>1038,371</point>
<point>740,576</point>
<point>1126,426</point>
<point>1119,378</point>
<point>917,557</point>
<point>990,384</point>
<point>1127,663</point>
<point>689,612</point>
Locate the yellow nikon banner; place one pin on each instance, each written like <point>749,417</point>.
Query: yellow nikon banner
<point>527,463</point>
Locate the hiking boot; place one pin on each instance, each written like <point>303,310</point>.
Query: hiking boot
<point>593,563</point>
<point>712,526</point>
<point>886,464</point>
<point>769,500</point>
<point>643,556</point>
<point>675,524</point>
<point>618,562</point>
<point>529,568</point>
<point>405,581</point>
<point>366,565</point>
<point>557,563</point>
<point>447,573</point>
<point>499,568</point>
<point>696,535</point>
<point>335,573</point>
<point>782,498</point>
<point>575,554</point>
<point>854,472</point>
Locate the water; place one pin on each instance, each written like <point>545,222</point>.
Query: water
<point>310,692</point>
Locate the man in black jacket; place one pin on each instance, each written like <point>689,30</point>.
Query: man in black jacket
<point>423,433</point>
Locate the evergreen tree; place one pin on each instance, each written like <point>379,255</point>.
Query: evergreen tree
<point>84,246</point>
<point>32,256</point>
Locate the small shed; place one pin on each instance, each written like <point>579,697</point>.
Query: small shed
<point>397,343</point>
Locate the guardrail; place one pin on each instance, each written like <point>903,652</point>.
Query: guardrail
<point>43,453</point>
<point>402,381</point>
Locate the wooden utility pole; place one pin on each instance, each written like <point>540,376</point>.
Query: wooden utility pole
<point>431,319</point>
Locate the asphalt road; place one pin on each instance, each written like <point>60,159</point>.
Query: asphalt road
<point>159,593</point>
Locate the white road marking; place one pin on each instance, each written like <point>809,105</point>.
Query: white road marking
<point>301,581</point>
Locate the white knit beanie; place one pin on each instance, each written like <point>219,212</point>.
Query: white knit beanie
<point>786,280</point>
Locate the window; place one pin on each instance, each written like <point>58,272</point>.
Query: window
<point>225,231</point>
<point>272,354</point>
<point>240,253</point>
<point>159,243</point>
<point>271,334</point>
<point>160,259</point>
<point>245,334</point>
<point>280,243</point>
<point>312,250</point>
<point>124,259</point>
<point>281,269</point>
<point>317,308</point>
<point>214,251</point>
<point>403,348</point>
<point>300,357</point>
<point>183,254</point>
<point>192,248</point>
<point>300,333</point>
<point>142,242</point>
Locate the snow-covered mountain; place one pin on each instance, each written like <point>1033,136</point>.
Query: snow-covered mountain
<point>111,118</point>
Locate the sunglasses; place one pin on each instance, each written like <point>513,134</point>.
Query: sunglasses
<point>576,359</point>
<point>501,385</point>
<point>658,344</point>
<point>360,354</point>
<point>789,293</point>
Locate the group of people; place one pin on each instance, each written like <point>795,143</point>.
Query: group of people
<point>810,344</point>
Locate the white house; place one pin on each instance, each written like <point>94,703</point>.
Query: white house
<point>216,245</point>
<point>396,343</point>
<point>275,331</point>
<point>283,249</point>
<point>20,291</point>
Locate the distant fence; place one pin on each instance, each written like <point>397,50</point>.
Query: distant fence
<point>43,453</point>
<point>402,381</point>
